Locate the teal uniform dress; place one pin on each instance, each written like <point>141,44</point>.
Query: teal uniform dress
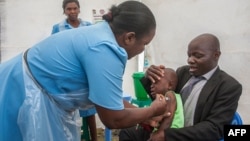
<point>73,69</point>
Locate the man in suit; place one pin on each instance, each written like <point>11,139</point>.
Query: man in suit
<point>212,101</point>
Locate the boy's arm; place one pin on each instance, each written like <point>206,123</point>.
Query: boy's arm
<point>167,119</point>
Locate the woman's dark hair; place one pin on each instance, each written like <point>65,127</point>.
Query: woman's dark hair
<point>131,16</point>
<point>65,2</point>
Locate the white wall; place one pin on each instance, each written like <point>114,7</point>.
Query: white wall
<point>25,22</point>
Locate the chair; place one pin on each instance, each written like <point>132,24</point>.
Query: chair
<point>85,125</point>
<point>236,120</point>
<point>85,129</point>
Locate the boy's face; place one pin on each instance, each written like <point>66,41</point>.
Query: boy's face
<point>160,87</point>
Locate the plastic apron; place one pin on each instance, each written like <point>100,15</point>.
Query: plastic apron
<point>45,117</point>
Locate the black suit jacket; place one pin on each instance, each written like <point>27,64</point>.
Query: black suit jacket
<point>215,107</point>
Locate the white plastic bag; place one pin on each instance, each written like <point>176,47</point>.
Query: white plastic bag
<point>41,119</point>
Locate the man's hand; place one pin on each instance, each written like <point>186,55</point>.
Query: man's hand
<point>157,136</point>
<point>155,73</point>
<point>154,122</point>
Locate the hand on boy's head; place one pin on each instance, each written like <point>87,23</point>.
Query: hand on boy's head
<point>155,73</point>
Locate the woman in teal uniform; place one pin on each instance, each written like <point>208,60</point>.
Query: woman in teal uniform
<point>42,89</point>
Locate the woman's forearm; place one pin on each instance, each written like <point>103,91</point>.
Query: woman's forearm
<point>124,118</point>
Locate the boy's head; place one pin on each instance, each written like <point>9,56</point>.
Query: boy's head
<point>166,83</point>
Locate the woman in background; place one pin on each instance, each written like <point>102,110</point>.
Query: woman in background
<point>71,8</point>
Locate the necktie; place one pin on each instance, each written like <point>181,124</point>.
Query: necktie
<point>185,92</point>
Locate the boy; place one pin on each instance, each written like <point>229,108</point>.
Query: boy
<point>173,117</point>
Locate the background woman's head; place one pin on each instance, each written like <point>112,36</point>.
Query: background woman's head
<point>71,8</point>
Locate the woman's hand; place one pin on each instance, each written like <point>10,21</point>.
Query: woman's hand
<point>159,105</point>
<point>155,73</point>
<point>131,116</point>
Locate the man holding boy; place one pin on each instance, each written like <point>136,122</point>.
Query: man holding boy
<point>213,101</point>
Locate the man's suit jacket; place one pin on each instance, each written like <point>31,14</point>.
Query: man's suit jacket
<point>215,107</point>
